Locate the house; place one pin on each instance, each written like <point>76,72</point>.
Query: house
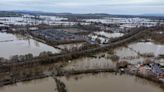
<point>145,70</point>
<point>153,69</point>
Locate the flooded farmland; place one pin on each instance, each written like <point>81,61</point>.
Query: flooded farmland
<point>148,47</point>
<point>106,82</point>
<point>81,46</point>
<point>90,63</point>
<point>103,82</point>
<point>140,47</point>
<point>11,44</point>
<point>133,52</point>
<point>70,46</point>
<point>41,85</point>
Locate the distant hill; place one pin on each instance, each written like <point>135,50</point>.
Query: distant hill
<point>67,15</point>
<point>156,15</point>
<point>72,16</point>
<point>9,14</point>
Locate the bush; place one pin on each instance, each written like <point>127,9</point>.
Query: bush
<point>114,58</point>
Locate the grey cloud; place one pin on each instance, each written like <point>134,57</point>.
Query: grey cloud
<point>86,6</point>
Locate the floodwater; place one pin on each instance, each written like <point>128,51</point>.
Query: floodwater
<point>131,52</point>
<point>129,55</point>
<point>148,47</point>
<point>125,52</point>
<point>107,82</point>
<point>18,45</point>
<point>70,46</point>
<point>140,47</point>
<point>90,63</point>
<point>109,35</point>
<point>103,82</point>
<point>40,85</point>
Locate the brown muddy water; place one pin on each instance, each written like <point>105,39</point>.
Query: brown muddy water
<point>19,45</point>
<point>90,63</point>
<point>103,82</point>
<point>140,47</point>
<point>70,46</point>
<point>148,47</point>
<point>131,52</point>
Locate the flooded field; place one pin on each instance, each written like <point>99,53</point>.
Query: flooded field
<point>140,47</point>
<point>41,85</point>
<point>18,45</point>
<point>148,47</point>
<point>128,53</point>
<point>125,52</point>
<point>70,46</point>
<point>104,82</point>
<point>109,35</point>
<point>133,51</point>
<point>107,82</point>
<point>90,63</point>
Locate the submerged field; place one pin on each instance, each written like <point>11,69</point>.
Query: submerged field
<point>11,45</point>
<point>133,53</point>
<point>104,82</point>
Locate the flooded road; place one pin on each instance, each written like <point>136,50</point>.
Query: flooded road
<point>104,82</point>
<point>18,45</point>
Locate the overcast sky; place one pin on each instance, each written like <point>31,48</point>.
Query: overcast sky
<point>87,6</point>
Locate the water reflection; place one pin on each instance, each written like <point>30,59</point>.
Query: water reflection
<point>106,82</point>
<point>19,45</point>
<point>103,82</point>
<point>90,63</point>
<point>132,52</point>
<point>148,47</point>
<point>41,85</point>
<point>70,46</point>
